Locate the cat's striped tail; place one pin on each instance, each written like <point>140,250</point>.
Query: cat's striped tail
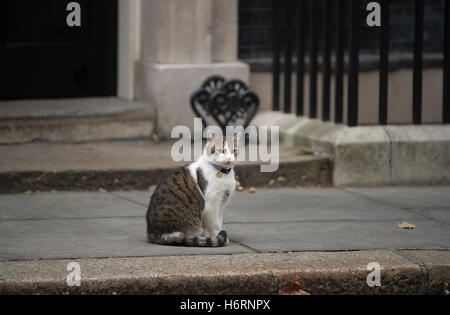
<point>182,239</point>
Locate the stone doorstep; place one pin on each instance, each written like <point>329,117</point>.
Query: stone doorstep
<point>74,120</point>
<point>402,272</point>
<point>313,172</point>
<point>371,155</point>
<point>132,165</point>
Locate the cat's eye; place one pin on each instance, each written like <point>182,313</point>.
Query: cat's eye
<point>213,149</point>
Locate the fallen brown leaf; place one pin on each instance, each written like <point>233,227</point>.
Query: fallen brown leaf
<point>302,151</point>
<point>155,138</point>
<point>405,225</point>
<point>252,190</point>
<point>292,289</point>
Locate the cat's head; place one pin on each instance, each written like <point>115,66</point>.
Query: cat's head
<point>222,151</point>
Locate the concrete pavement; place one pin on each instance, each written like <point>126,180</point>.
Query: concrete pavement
<point>83,226</point>
<point>77,225</point>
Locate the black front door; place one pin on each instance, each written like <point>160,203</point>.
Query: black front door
<point>58,48</point>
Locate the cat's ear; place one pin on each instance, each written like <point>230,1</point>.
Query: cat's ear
<point>235,145</point>
<point>210,135</point>
<point>237,136</point>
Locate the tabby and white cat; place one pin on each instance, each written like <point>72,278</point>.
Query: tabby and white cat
<point>187,207</point>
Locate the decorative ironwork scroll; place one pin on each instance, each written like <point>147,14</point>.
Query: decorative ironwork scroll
<point>228,103</point>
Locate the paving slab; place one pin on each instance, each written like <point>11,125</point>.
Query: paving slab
<point>305,204</point>
<point>339,235</point>
<point>78,238</point>
<point>300,204</point>
<point>76,225</point>
<point>409,197</point>
<point>442,215</point>
<point>66,206</point>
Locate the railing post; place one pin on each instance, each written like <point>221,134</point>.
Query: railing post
<point>301,57</point>
<point>418,62</point>
<point>288,56</point>
<point>313,60</point>
<point>340,37</point>
<point>352,115</point>
<point>326,61</point>
<point>384,62</point>
<point>446,83</point>
<point>276,55</point>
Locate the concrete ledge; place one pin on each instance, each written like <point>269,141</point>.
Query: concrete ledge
<point>130,165</point>
<point>71,108</point>
<point>310,172</point>
<point>373,155</point>
<point>420,154</point>
<point>313,272</point>
<point>72,130</point>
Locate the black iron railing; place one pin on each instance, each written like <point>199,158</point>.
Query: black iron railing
<point>325,19</point>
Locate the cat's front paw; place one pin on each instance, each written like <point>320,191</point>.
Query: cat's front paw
<point>222,237</point>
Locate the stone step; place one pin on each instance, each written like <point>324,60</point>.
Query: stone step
<point>127,165</point>
<point>315,273</point>
<point>74,120</point>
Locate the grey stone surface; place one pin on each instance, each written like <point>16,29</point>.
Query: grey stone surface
<point>302,204</point>
<point>77,225</point>
<point>123,155</point>
<point>169,28</point>
<point>420,154</point>
<point>437,264</point>
<point>156,82</point>
<point>134,165</point>
<point>91,237</point>
<point>105,155</point>
<point>374,155</point>
<point>74,120</point>
<point>442,215</point>
<point>66,206</point>
<point>246,274</point>
<point>140,197</point>
<point>409,197</point>
<point>340,235</point>
<point>73,107</point>
<point>225,30</point>
<point>360,155</point>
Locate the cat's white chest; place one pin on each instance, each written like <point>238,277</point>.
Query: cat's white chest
<point>220,185</point>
